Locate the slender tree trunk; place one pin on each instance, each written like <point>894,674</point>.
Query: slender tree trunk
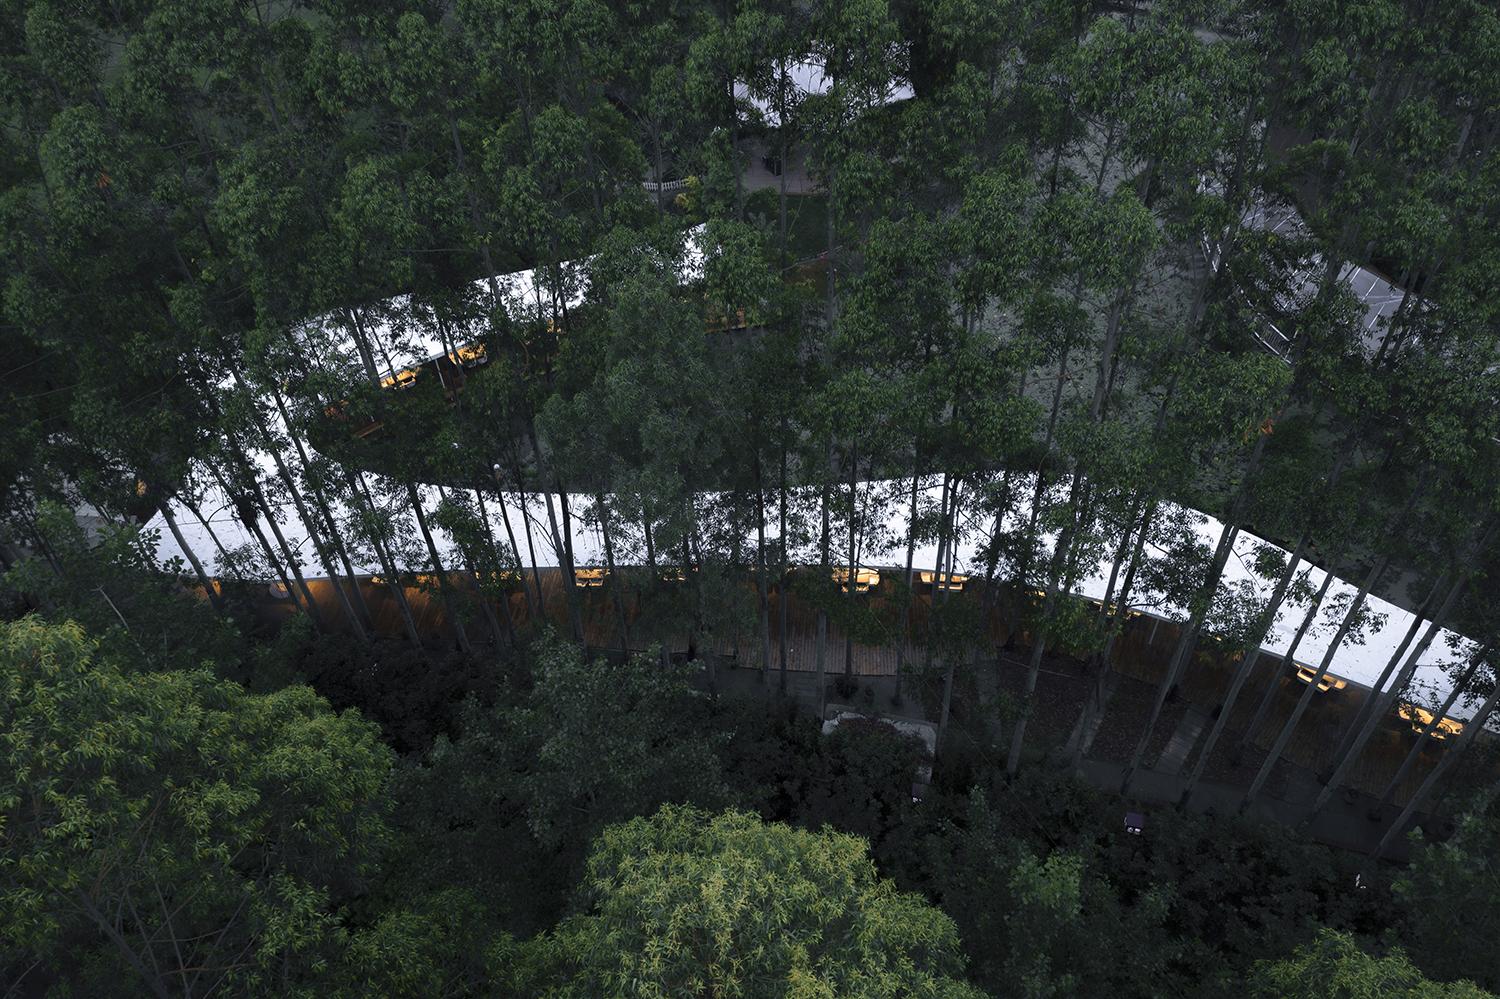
<point>944,571</point>
<point>1039,646</point>
<point>308,521</point>
<point>1312,685</point>
<point>1377,715</point>
<point>1094,704</point>
<point>361,491</point>
<point>765,600</point>
<point>563,540</point>
<point>849,583</point>
<point>536,572</point>
<point>501,563</point>
<point>614,577</point>
<point>904,637</point>
<point>1245,668</point>
<point>291,558</point>
<point>1351,730</point>
<point>825,582</point>
<point>943,492</point>
<point>210,588</point>
<point>450,602</point>
<point>1425,736</point>
<point>1182,656</point>
<point>781,586</point>
<point>1023,566</point>
<point>212,534</point>
<point>325,511</point>
<point>245,510</point>
<point>500,637</point>
<point>1449,760</point>
<point>1288,660</point>
<point>1338,639</point>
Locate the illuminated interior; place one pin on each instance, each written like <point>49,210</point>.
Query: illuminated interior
<point>1420,718</point>
<point>949,581</point>
<point>863,579</point>
<point>471,356</point>
<point>405,378</point>
<point>1327,683</point>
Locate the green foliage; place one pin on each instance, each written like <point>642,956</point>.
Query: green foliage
<point>1449,896</point>
<point>434,945</point>
<point>1334,967</point>
<point>1043,919</point>
<point>541,772</point>
<point>1051,261</point>
<point>108,581</point>
<point>171,829</point>
<point>684,903</point>
<point>414,694</point>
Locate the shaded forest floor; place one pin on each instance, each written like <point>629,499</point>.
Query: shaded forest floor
<point>990,685</point>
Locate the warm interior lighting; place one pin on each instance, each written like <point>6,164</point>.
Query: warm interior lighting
<point>471,356</point>
<point>718,324</point>
<point>1327,683</point>
<point>588,577</point>
<point>1420,718</point>
<point>948,581</point>
<point>863,579</point>
<point>405,378</point>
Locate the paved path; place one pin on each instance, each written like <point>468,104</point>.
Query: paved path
<point>1345,823</point>
<point>1194,721</point>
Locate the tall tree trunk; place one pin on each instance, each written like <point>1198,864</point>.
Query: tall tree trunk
<point>1345,625</point>
<point>1245,668</point>
<point>1447,763</point>
<point>1039,646</point>
<point>290,557</point>
<point>450,602</point>
<point>1425,736</point>
<point>849,583</point>
<point>325,511</point>
<point>1023,565</point>
<point>903,638</point>
<point>1288,661</point>
<point>943,494</point>
<point>1376,716</point>
<point>574,608</point>
<point>1182,656</point>
<point>213,535</point>
<point>1093,705</point>
<point>361,492</point>
<point>245,510</point>
<point>562,539</point>
<point>943,571</point>
<point>1311,689</point>
<point>308,521</point>
<point>210,588</point>
<point>765,600</point>
<point>540,617</point>
<point>783,581</point>
<point>1351,730</point>
<point>500,562</point>
<point>826,582</point>
<point>615,587</point>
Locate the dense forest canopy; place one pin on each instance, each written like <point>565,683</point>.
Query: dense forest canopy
<point>860,333</point>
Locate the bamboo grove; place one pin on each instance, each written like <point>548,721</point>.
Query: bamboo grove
<point>1006,279</point>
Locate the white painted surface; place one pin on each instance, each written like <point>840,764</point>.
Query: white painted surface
<point>1360,662</point>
